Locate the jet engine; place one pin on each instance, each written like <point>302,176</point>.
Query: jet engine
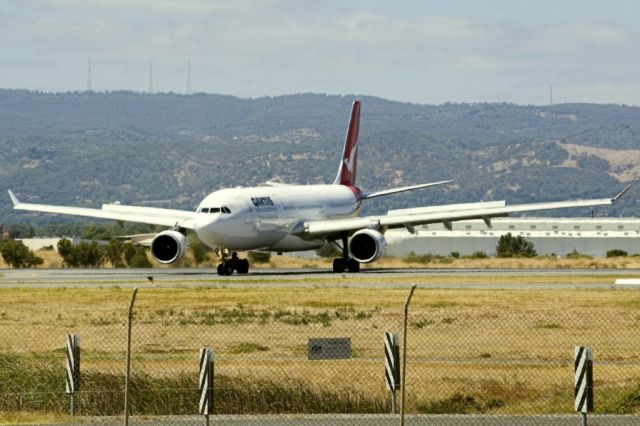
<point>367,245</point>
<point>169,246</point>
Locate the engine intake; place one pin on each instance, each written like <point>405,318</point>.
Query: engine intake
<point>169,246</point>
<point>367,245</point>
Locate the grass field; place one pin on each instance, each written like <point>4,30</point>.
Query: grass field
<point>471,350</point>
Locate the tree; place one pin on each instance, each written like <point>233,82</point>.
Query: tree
<point>140,259</point>
<point>17,255</point>
<point>128,252</point>
<point>199,250</point>
<point>518,246</point>
<point>90,254</point>
<point>68,253</point>
<point>113,251</point>
<point>84,254</point>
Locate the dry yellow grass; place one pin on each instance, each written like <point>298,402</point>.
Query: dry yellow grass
<point>26,418</point>
<point>516,345</point>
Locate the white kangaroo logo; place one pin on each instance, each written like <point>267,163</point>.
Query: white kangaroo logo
<point>352,156</point>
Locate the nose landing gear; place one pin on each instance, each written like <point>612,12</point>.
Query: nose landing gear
<point>234,263</point>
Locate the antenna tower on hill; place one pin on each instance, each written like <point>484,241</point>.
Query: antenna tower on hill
<point>150,78</point>
<point>188,92</point>
<point>89,89</point>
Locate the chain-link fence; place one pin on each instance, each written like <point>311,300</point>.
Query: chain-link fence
<point>279,352</point>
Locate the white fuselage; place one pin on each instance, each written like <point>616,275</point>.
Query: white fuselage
<point>264,217</point>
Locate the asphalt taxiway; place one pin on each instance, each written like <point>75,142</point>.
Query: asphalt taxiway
<point>436,278</point>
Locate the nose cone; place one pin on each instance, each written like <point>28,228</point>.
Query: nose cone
<point>206,229</point>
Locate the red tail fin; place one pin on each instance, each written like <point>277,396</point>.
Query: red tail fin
<point>347,170</point>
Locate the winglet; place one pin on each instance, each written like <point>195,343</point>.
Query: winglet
<point>14,199</point>
<point>621,194</point>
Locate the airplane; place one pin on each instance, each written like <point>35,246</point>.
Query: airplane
<point>284,217</point>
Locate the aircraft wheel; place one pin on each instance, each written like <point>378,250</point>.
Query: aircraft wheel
<point>339,265</point>
<point>353,265</point>
<point>225,268</point>
<point>242,266</point>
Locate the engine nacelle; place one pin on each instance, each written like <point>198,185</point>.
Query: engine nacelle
<point>367,245</point>
<point>169,246</point>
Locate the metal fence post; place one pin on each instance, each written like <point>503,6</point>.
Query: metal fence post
<point>206,383</point>
<point>73,369</point>
<point>128,367</point>
<point>404,353</point>
<point>583,392</point>
<point>392,367</point>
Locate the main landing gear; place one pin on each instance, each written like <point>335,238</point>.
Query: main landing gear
<point>228,265</point>
<point>345,263</point>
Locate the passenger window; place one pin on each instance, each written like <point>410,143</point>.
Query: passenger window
<point>214,210</point>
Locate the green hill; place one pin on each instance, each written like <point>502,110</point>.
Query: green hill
<point>171,150</point>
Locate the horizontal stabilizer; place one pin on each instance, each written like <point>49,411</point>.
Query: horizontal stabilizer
<point>402,189</point>
<point>275,184</point>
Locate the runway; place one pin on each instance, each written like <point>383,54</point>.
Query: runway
<point>430,278</point>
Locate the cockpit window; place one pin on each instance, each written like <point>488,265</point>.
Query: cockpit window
<point>215,210</point>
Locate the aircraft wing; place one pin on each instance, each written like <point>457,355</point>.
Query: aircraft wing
<point>408,218</point>
<point>148,215</point>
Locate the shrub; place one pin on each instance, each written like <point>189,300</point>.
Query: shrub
<point>518,246</point>
<point>576,255</point>
<point>419,258</point>
<point>617,253</point>
<point>17,255</point>
<point>478,255</point>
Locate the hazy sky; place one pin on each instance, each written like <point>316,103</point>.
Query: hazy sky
<point>420,51</point>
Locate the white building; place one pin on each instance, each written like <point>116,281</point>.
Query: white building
<point>559,236</point>
<point>36,244</point>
